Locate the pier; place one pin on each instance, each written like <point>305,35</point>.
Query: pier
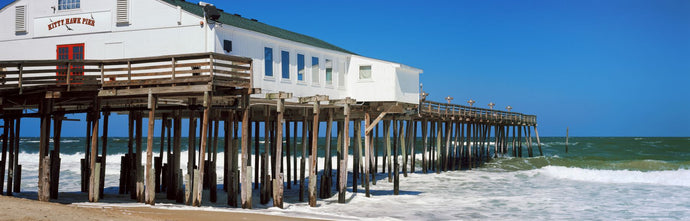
<point>207,89</point>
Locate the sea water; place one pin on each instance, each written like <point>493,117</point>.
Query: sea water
<point>598,179</point>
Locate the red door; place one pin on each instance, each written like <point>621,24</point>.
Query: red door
<point>70,52</point>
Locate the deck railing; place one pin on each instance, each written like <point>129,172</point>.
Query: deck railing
<point>441,109</point>
<point>200,68</point>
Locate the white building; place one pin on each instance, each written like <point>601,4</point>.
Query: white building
<point>283,60</point>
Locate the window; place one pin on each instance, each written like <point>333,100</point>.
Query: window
<point>285,63</point>
<point>68,4</point>
<point>268,61</point>
<point>329,72</point>
<point>300,67</point>
<point>315,70</point>
<point>365,72</point>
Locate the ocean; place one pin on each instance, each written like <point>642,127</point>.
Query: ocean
<point>600,178</point>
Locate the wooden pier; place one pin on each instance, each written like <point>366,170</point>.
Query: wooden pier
<point>208,88</point>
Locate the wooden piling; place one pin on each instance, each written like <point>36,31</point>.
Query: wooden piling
<point>278,179</point>
<point>387,127</point>
<point>346,144</point>
<point>257,164</point>
<point>538,142</point>
<point>367,147</point>
<point>202,152</point>
<point>245,178</point>
<point>566,139</point>
<point>424,145</point>
<point>104,153</point>
<point>396,169</point>
<point>150,195</point>
<point>356,154</point>
<point>439,136</point>
<point>404,130</point>
<point>213,178</point>
<point>303,159</point>
<point>93,185</point>
<point>45,109</point>
<point>5,143</point>
<point>314,154</point>
<point>176,174</point>
<point>288,169</point>
<point>325,188</point>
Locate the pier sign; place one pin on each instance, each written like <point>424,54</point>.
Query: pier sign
<point>72,24</point>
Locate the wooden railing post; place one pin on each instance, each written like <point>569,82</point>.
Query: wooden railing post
<point>129,72</point>
<point>210,65</point>
<point>102,74</point>
<point>68,76</point>
<point>20,78</point>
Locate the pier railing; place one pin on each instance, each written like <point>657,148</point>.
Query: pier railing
<point>185,69</point>
<point>454,110</point>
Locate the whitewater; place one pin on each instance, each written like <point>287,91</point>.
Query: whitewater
<point>601,179</point>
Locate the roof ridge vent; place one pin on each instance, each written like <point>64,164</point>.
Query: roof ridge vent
<point>205,4</point>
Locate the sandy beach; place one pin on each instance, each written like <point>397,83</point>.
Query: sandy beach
<point>12,208</point>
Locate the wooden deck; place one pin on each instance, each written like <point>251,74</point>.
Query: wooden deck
<point>207,89</point>
<point>175,78</point>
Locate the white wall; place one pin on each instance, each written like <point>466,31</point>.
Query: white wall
<point>154,29</point>
<point>251,44</point>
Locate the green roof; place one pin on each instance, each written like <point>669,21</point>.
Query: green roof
<point>248,24</point>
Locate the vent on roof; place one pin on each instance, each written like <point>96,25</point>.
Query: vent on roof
<point>238,15</point>
<point>20,19</point>
<point>122,11</point>
<point>253,19</point>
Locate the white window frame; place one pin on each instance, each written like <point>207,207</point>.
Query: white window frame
<point>316,83</point>
<point>289,79</point>
<point>263,64</point>
<point>333,71</point>
<point>304,77</point>
<point>371,79</point>
<point>57,7</point>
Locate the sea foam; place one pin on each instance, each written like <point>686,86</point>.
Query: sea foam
<point>679,177</point>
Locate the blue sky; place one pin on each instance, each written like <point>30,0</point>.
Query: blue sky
<point>601,68</point>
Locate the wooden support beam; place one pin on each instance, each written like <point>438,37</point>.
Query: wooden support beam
<point>303,160</point>
<point>175,191</point>
<point>356,154</point>
<point>288,155</point>
<point>93,181</point>
<point>45,110</point>
<point>278,179</point>
<point>343,163</point>
<point>387,128</point>
<point>538,142</point>
<point>367,148</point>
<point>140,191</point>
<point>7,125</point>
<point>325,188</point>
<point>191,154</point>
<point>396,166</point>
<point>104,152</point>
<point>314,153</point>
<point>150,196</point>
<point>202,152</point>
<point>404,132</point>
<point>424,145</point>
<point>245,177</point>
